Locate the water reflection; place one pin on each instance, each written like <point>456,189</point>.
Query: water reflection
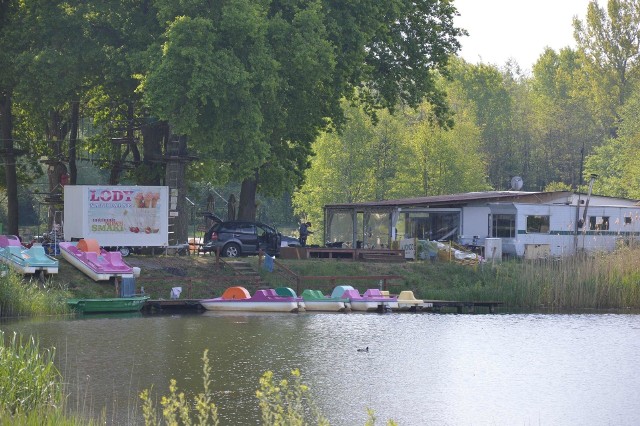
<point>420,368</point>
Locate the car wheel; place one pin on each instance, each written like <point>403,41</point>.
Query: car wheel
<point>124,251</point>
<point>231,250</point>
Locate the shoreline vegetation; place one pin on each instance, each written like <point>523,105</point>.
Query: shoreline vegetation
<point>589,281</point>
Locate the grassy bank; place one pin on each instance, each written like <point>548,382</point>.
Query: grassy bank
<point>594,281</point>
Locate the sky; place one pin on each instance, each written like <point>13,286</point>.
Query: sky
<point>500,30</point>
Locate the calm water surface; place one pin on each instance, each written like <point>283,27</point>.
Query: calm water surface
<point>437,369</point>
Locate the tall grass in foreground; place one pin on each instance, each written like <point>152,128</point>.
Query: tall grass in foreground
<point>28,378</point>
<point>31,387</point>
<point>30,298</point>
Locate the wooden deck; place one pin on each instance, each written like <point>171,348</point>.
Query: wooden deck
<point>462,307</point>
<point>162,305</point>
<point>380,255</point>
<point>438,306</point>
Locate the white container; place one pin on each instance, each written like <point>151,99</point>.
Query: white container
<point>136,271</point>
<point>493,249</point>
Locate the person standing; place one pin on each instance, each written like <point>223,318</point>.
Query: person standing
<point>304,233</point>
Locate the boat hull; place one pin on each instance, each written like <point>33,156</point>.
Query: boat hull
<point>326,305</point>
<point>251,306</point>
<point>365,306</point>
<point>106,305</point>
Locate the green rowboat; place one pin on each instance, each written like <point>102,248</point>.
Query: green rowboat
<point>115,304</point>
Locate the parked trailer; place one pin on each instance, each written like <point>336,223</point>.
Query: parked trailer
<point>117,216</point>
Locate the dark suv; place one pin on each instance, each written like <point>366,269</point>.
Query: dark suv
<point>241,238</point>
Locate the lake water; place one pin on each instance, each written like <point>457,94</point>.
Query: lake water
<point>439,369</point>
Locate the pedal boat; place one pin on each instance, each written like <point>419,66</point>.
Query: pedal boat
<point>26,260</point>
<point>315,300</point>
<point>238,299</point>
<point>94,261</point>
<point>371,301</point>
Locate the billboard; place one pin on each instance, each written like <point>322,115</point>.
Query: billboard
<point>117,215</point>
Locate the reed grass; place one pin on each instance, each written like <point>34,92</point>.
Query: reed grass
<point>586,281</point>
<point>30,298</point>
<point>28,378</point>
<point>32,392</point>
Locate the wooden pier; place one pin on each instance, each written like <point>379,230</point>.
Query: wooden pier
<point>438,306</point>
<point>461,307</point>
<point>163,305</point>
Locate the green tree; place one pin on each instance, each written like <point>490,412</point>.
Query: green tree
<point>617,162</point>
<point>484,85</point>
<point>563,124</point>
<point>252,83</point>
<point>13,41</point>
<point>609,41</point>
<point>440,160</point>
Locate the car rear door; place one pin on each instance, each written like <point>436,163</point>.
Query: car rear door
<point>246,233</point>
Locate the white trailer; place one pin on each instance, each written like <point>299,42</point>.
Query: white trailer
<point>117,216</point>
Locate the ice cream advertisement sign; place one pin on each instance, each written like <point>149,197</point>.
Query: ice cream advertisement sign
<point>124,210</point>
<point>118,215</point>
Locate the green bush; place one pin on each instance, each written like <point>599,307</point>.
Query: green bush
<point>28,378</point>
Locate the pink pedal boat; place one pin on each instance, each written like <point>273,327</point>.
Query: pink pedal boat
<point>95,262</point>
<point>238,299</point>
<point>372,300</point>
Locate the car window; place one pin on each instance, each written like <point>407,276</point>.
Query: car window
<point>224,227</point>
<point>245,228</point>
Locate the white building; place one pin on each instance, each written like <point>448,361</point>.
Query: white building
<point>529,224</point>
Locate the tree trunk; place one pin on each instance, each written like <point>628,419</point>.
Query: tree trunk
<point>247,208</point>
<point>73,141</point>
<point>175,180</point>
<point>57,129</point>
<point>153,138</point>
<point>11,176</point>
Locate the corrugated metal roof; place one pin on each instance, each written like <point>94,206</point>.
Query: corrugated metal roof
<point>457,199</point>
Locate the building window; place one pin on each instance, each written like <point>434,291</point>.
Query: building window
<point>537,224</point>
<point>627,220</point>
<point>503,226</point>
<point>598,223</point>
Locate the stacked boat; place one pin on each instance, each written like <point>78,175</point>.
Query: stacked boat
<point>32,260</point>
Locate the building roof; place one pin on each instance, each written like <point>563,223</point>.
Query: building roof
<point>459,199</point>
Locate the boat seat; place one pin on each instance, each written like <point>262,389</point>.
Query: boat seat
<point>113,257</point>
<point>89,245</point>
<point>92,257</point>
<point>339,290</point>
<point>268,292</point>
<point>236,292</point>
<point>406,296</point>
<point>285,292</point>
<point>373,292</point>
<point>9,241</point>
<point>350,294</point>
<point>312,294</point>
